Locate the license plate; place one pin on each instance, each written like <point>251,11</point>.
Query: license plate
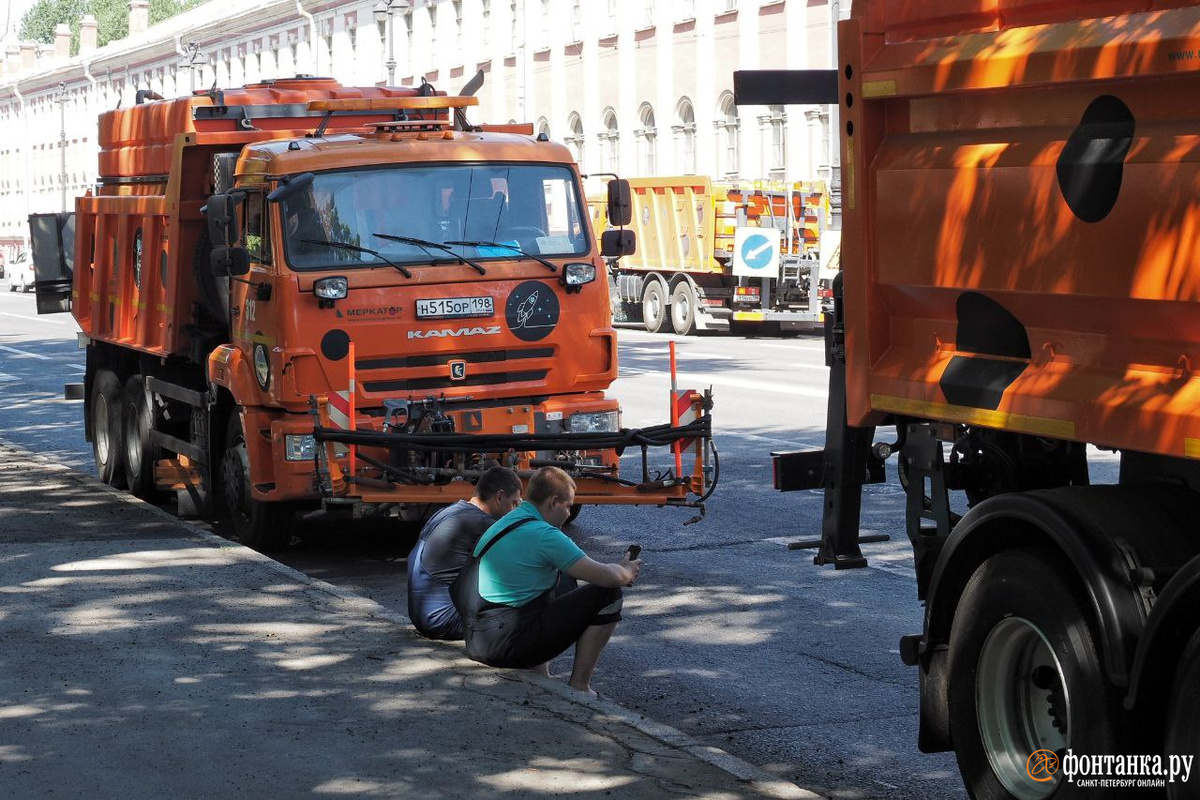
<point>455,307</point>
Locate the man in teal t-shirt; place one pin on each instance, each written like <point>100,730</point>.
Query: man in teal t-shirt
<point>528,618</point>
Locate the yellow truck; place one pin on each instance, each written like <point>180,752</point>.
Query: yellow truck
<point>711,253</point>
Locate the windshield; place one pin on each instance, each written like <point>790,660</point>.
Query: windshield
<point>535,208</point>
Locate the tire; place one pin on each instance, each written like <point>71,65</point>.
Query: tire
<point>265,527</point>
<point>138,455</point>
<point>106,428</point>
<point>683,309</point>
<point>654,307</point>
<point>1025,675</point>
<point>1183,720</point>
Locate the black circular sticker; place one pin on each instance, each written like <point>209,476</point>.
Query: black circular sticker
<point>532,311</point>
<point>335,345</point>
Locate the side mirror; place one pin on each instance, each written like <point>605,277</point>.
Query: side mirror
<point>233,261</point>
<point>289,186</point>
<point>223,219</point>
<point>617,243</point>
<point>620,203</point>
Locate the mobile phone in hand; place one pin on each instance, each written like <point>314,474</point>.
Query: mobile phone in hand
<point>633,552</point>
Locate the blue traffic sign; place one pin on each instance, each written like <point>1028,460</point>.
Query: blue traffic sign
<point>757,251</point>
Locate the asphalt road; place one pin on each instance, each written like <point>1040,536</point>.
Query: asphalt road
<point>728,635</point>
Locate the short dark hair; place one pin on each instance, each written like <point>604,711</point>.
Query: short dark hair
<point>497,479</point>
<point>549,482</point>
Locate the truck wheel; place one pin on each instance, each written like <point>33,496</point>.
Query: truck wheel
<point>654,307</point>
<point>106,428</point>
<point>261,526</point>
<point>1026,681</point>
<point>683,309</point>
<point>140,456</point>
<point>1183,720</point>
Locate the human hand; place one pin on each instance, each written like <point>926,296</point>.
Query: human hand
<point>631,568</point>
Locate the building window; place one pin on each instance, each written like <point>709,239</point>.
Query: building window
<point>648,22</point>
<point>612,16</point>
<point>544,40</point>
<point>774,125</point>
<point>610,139</point>
<point>647,141</point>
<point>487,21</point>
<point>685,137</point>
<point>727,126</point>
<point>729,5</point>
<point>512,13</point>
<point>576,22</point>
<point>687,9</point>
<point>458,37</point>
<point>575,139</point>
<point>543,127</point>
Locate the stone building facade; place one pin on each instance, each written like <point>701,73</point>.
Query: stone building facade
<point>639,87</point>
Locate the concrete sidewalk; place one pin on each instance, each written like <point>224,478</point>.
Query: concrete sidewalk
<point>141,657</point>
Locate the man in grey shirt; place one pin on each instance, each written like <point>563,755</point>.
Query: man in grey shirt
<point>445,544</point>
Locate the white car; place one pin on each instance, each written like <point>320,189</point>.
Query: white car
<point>20,273</point>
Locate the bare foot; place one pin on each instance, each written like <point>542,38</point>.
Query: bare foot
<point>541,669</point>
<point>585,689</point>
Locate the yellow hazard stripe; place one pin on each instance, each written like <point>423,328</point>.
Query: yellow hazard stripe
<point>749,316</point>
<point>1191,448</point>
<point>260,338</point>
<point>1043,426</point>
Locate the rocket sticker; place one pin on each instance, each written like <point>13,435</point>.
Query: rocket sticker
<point>532,311</point>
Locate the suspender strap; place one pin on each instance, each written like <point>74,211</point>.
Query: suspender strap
<point>500,536</point>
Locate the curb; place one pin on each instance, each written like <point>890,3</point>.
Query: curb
<point>756,778</point>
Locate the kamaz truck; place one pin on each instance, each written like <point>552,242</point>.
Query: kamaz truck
<point>1020,294</point>
<point>303,297</point>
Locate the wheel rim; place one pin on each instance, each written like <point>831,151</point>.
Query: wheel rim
<point>100,423</point>
<point>133,444</point>
<point>232,477</point>
<point>1022,706</point>
<point>683,308</point>
<point>653,305</point>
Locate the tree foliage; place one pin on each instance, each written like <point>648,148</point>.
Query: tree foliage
<point>112,18</point>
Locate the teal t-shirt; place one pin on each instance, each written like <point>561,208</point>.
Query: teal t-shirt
<point>526,562</point>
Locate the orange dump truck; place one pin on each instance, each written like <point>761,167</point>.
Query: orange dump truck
<point>711,253</point>
<point>299,295</point>
<point>1021,280</point>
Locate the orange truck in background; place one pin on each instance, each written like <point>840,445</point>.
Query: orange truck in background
<point>691,271</point>
<point>300,296</point>
<point>1021,291</point>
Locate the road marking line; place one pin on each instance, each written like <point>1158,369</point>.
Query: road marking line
<point>818,348</point>
<point>25,353</point>
<point>36,319</point>
<point>720,380</point>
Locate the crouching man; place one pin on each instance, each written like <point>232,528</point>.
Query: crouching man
<point>445,545</point>
<point>515,609</point>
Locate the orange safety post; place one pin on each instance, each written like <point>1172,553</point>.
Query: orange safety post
<point>353,408</point>
<point>675,413</point>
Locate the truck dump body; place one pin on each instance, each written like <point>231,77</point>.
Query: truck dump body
<point>1021,227</point>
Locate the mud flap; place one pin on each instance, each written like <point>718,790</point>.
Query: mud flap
<point>52,242</point>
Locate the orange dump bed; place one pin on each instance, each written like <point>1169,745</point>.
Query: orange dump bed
<point>1022,231</point>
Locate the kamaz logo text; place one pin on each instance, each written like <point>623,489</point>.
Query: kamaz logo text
<point>442,333</point>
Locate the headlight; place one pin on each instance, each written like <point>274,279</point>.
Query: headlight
<point>262,366</point>
<point>579,274</point>
<point>335,288</point>
<point>299,447</point>
<point>595,422</point>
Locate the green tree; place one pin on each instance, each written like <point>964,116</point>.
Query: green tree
<point>112,18</point>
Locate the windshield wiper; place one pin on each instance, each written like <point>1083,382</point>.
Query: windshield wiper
<point>357,249</point>
<point>512,247</point>
<point>425,244</point>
